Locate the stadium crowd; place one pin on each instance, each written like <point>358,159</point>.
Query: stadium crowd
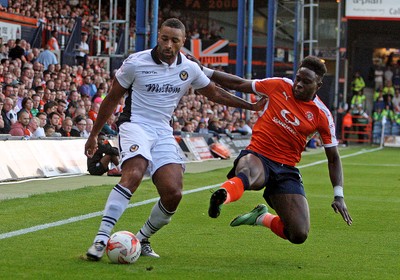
<point>34,80</point>
<point>385,77</point>
<point>41,97</point>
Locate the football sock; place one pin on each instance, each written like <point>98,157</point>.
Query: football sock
<point>272,222</point>
<point>159,217</point>
<point>116,204</point>
<point>234,188</point>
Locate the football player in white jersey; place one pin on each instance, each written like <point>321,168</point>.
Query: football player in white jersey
<point>154,80</point>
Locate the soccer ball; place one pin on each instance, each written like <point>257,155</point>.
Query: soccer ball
<point>123,247</point>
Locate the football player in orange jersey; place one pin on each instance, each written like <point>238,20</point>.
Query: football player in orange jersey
<point>293,113</point>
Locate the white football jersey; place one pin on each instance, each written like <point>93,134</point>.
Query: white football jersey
<point>156,87</point>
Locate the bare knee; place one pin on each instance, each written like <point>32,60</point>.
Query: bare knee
<point>171,199</point>
<point>297,236</point>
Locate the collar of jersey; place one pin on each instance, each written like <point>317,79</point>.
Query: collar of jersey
<point>158,61</point>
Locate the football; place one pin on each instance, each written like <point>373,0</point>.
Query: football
<point>123,247</point>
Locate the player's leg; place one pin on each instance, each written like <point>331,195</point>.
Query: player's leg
<point>292,221</point>
<point>118,200</point>
<point>168,180</point>
<point>284,192</point>
<point>248,174</point>
<point>166,168</point>
<point>134,165</point>
<point>293,217</point>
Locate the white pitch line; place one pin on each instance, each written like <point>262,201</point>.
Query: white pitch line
<point>144,202</point>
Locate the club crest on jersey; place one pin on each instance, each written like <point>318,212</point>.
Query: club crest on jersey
<point>183,75</point>
<point>133,148</point>
<point>309,116</point>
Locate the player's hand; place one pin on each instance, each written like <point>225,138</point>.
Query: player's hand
<point>91,146</point>
<point>260,104</point>
<point>192,58</point>
<point>339,206</point>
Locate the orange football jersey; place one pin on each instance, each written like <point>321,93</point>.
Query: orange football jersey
<point>282,131</point>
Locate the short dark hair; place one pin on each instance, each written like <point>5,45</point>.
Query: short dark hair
<point>49,126</point>
<point>79,118</point>
<point>315,64</point>
<point>41,113</point>
<point>49,105</point>
<point>174,23</point>
<point>52,114</point>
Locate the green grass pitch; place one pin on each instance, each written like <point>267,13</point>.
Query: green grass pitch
<point>194,246</point>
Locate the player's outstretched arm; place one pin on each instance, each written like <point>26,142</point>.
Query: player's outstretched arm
<point>225,79</point>
<point>221,96</point>
<point>336,176</point>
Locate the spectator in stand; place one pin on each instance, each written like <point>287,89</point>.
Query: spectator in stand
<point>42,118</point>
<point>9,115</point>
<point>214,126</point>
<point>188,127</point>
<point>47,57</point>
<point>80,126</point>
<point>357,84</point>
<point>108,128</point>
<point>37,130</point>
<point>104,155</point>
<point>358,99</point>
<point>387,90</point>
<point>3,51</point>
<point>74,96</point>
<point>87,105</point>
<point>27,105</point>
<point>52,43</point>
<point>202,128</point>
<point>61,107</point>
<point>8,89</point>
<point>5,129</point>
<point>94,110</point>
<point>388,113</point>
<point>50,131</point>
<point>49,107</point>
<point>54,120</point>
<point>244,128</point>
<point>66,129</point>
<point>85,88</point>
<point>83,51</point>
<point>71,109</point>
<point>18,51</point>
<point>20,128</point>
<point>89,125</point>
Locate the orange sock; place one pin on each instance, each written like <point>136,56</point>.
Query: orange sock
<point>275,224</point>
<point>234,188</point>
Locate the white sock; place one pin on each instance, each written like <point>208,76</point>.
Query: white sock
<point>159,217</point>
<point>116,204</point>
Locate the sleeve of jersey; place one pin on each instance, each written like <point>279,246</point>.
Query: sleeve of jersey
<point>201,79</point>
<point>266,86</point>
<point>327,129</point>
<point>125,74</point>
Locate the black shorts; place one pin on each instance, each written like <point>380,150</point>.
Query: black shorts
<point>98,169</point>
<point>279,178</point>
